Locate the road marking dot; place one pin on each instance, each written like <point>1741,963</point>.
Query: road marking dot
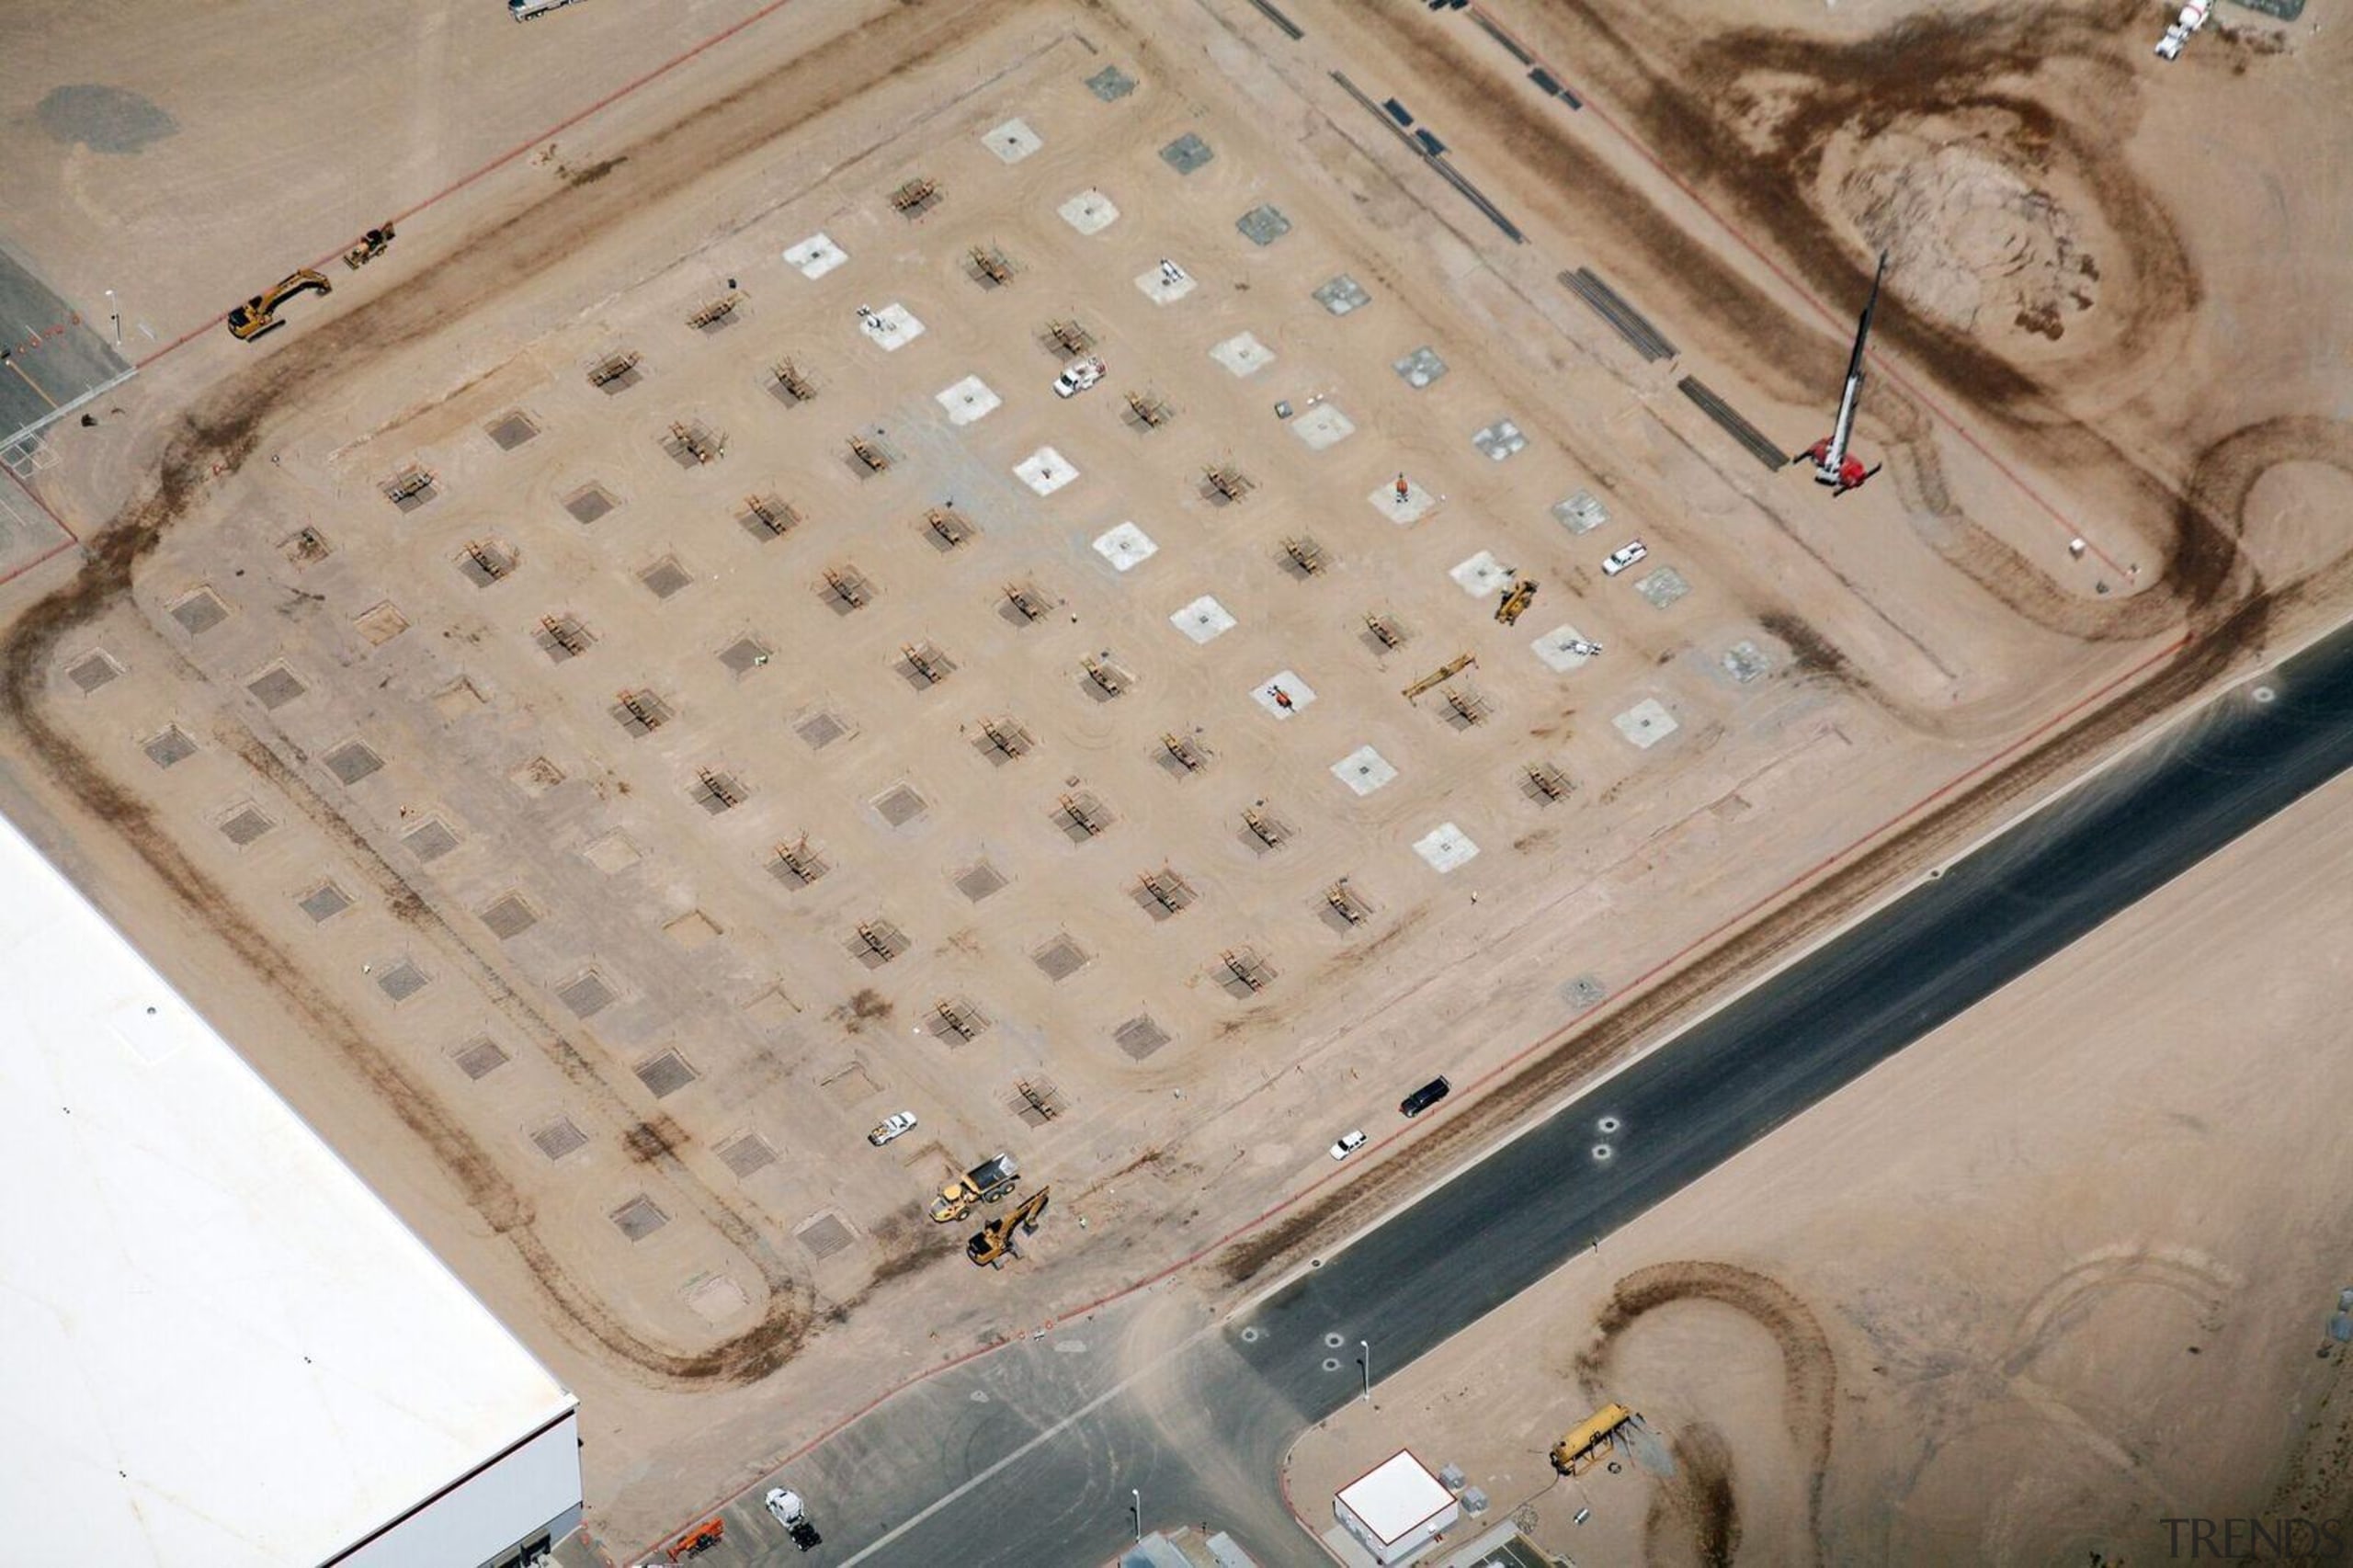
<point>1330,1363</point>
<point>1610,1124</point>
<point>2264,694</point>
<point>1602,1151</point>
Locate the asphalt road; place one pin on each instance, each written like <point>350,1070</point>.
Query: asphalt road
<point>1026,1459</point>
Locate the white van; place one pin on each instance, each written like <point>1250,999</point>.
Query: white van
<point>524,10</point>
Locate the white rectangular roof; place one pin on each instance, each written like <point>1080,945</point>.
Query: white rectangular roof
<point>1396,1497</point>
<point>217,1345</point>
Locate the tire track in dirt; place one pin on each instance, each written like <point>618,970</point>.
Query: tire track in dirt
<point>221,431</point>
<point>1701,1495</point>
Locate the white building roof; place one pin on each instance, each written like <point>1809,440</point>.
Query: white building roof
<point>1396,1497</point>
<point>217,1345</point>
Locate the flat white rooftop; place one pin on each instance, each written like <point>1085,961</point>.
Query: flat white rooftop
<point>217,1345</point>
<point>1396,1497</point>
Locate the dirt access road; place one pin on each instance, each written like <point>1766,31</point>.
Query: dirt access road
<point>1935,631</point>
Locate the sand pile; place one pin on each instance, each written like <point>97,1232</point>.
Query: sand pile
<point>1973,239</point>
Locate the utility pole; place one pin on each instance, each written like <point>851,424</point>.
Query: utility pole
<point>114,309</point>
<point>1365,1360</point>
<point>1137,1493</point>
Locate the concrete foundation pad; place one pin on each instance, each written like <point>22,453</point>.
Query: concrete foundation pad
<point>1482,576</point>
<point>1126,547</point>
<point>1646,724</point>
<point>1502,439</point>
<point>1580,514</point>
<point>1342,294</point>
<point>1559,648</point>
<point>1420,368</point>
<point>1243,354</point>
<point>1445,847</point>
<point>1203,619</point>
<point>1412,507</point>
<point>815,257</point>
<point>893,326</point>
<point>1325,425</point>
<point>1364,770</point>
<point>1291,686</point>
<point>1163,290</point>
<point>968,400</point>
<point>1045,470</point>
<point>1090,212</point>
<point>1013,140</point>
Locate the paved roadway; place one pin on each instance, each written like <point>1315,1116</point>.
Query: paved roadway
<point>1027,1458</point>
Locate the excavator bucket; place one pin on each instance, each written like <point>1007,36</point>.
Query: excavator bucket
<point>259,313</point>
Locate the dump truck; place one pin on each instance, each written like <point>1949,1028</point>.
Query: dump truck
<point>987,1182</point>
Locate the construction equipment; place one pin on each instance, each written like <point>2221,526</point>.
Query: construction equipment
<point>875,458</point>
<point>1833,465</point>
<point>769,517</point>
<point>1068,338</point>
<point>793,1514</point>
<point>959,1016</point>
<point>999,1239</point>
<point>1441,675</point>
<point>1185,754</point>
<point>716,313</point>
<point>2192,17</point>
<point>992,268</point>
<point>1384,630</point>
<point>1006,738</point>
<point>372,244</point>
<point>693,443</point>
<point>565,637</point>
<point>1165,892</point>
<point>950,526</point>
<point>615,372</point>
<point>1025,601</point>
<point>1592,1439</point>
<point>991,1181</point>
<point>1346,906</point>
<point>259,314</point>
<point>1083,814</point>
<point>800,862</point>
<point>1108,678</point>
<point>1225,484</point>
<point>792,381</point>
<point>411,485</point>
<point>695,1541</point>
<point>1305,556</point>
<point>1515,601</point>
<point>849,587</point>
<point>1545,783</point>
<point>916,197</point>
<point>1149,410</point>
<point>1263,826</point>
<point>925,664</point>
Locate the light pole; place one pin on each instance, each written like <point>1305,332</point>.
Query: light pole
<point>1137,1492</point>
<point>1365,1360</point>
<point>114,310</point>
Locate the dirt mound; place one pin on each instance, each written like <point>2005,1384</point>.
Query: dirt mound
<point>1976,235</point>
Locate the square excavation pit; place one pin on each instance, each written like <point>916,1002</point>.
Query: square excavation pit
<point>380,623</point>
<point>1243,354</point>
<point>1482,576</point>
<point>1445,847</point>
<point>273,689</point>
<point>612,853</point>
<point>587,995</point>
<point>559,1137</point>
<point>665,1075</point>
<point>1646,724</point>
<point>640,1218</point>
<point>1364,770</point>
<point>1746,662</point>
<point>1580,514</point>
<point>1013,140</point>
<point>1166,283</point>
<point>1342,295</point>
<point>511,429</point>
<point>168,746</point>
<point>1186,154</point>
<point>1090,212</point>
<point>1110,83</point>
<point>1289,685</point>
<point>821,730</point>
<point>478,1058</point>
<point>1410,507</point>
<point>1323,427</point>
<point>815,256</point>
<point>590,503</point>
<point>1663,588</point>
<point>893,327</point>
<point>1126,547</point>
<point>665,577</point>
<point>324,901</point>
<point>746,655</point>
<point>1562,649</point>
<point>1499,440</point>
<point>1140,1036</point>
<point>1061,958</point>
<point>979,880</point>
<point>900,805</point>
<point>245,825</point>
<point>457,700</point>
<point>746,1154</point>
<point>1263,225</point>
<point>824,1235</point>
<point>352,761</point>
<point>402,981</point>
<point>1203,619</point>
<point>716,1299</point>
<point>692,931</point>
<point>198,611</point>
<point>429,840</point>
<point>1045,470</point>
<point>968,400</point>
<point>509,916</point>
<point>1420,368</point>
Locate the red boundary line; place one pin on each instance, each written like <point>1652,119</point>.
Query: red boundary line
<point>1508,1064</point>
<point>54,550</point>
<point>1936,411</point>
<point>517,151</point>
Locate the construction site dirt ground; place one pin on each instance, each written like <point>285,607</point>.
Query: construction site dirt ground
<point>376,780</point>
<point>2061,1271</point>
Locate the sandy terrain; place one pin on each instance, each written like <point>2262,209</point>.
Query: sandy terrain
<point>2058,1272</point>
<point>413,817</point>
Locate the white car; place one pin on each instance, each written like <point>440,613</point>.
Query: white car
<point>1349,1144</point>
<point>898,1123</point>
<point>1081,375</point>
<point>1625,556</point>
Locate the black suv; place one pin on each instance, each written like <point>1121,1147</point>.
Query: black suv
<point>1421,1099</point>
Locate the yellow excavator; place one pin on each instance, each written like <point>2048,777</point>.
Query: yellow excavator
<point>1516,601</point>
<point>1592,1439</point>
<point>259,313</point>
<point>997,1240</point>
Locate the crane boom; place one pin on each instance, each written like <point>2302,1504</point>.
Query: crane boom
<point>1832,463</point>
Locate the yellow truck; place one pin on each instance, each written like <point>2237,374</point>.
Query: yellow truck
<point>987,1182</point>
